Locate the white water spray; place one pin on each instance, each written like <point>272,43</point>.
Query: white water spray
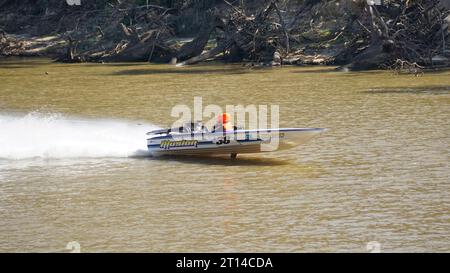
<point>55,136</point>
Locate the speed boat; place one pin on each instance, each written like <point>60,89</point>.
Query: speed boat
<point>194,138</point>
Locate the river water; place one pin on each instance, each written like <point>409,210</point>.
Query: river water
<point>379,178</point>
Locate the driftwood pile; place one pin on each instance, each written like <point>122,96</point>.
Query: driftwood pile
<point>261,38</point>
<point>256,38</point>
<point>141,39</point>
<point>401,35</point>
<point>404,34</point>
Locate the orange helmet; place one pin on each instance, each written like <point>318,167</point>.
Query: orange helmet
<point>224,118</point>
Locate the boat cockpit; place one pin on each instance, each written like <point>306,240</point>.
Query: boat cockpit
<point>187,128</point>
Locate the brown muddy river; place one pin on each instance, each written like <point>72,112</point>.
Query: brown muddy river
<point>380,175</point>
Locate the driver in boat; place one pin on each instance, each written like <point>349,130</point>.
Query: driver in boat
<point>198,127</point>
<point>223,123</point>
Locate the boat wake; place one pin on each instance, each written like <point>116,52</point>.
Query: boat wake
<point>56,136</point>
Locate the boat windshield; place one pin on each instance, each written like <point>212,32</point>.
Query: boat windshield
<point>196,127</point>
<point>191,127</point>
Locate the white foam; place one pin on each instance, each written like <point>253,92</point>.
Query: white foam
<point>56,136</point>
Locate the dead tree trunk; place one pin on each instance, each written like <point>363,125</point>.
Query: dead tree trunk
<point>207,55</point>
<point>196,46</point>
<point>380,47</point>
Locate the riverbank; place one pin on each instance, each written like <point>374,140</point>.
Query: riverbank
<point>54,46</point>
<point>351,34</point>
